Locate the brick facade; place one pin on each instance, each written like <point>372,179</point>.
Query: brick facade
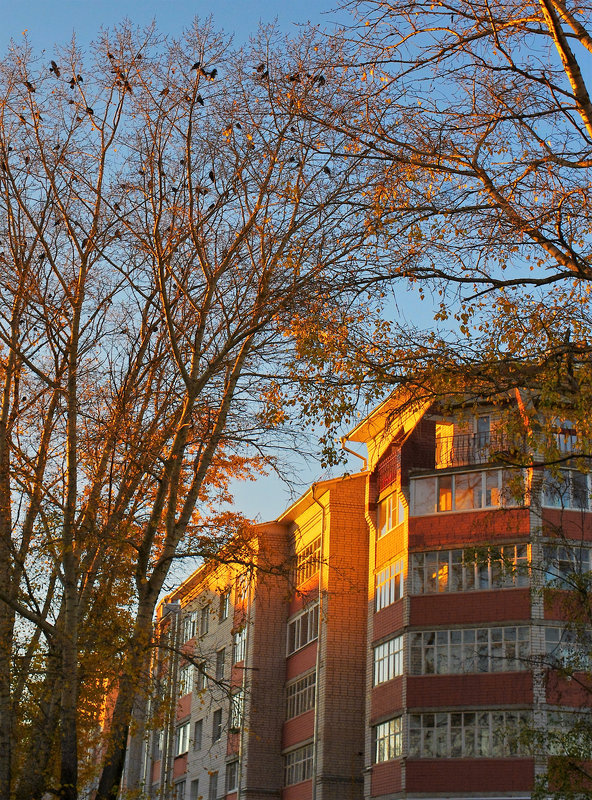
<point>392,647</point>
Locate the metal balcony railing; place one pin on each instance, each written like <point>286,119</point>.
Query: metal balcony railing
<point>471,448</point>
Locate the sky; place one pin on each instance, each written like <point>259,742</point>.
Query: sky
<point>47,22</point>
<point>51,21</point>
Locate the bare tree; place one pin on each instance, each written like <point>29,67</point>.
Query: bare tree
<point>164,218</point>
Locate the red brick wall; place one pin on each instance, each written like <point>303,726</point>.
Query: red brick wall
<point>426,691</point>
<point>298,729</point>
<point>469,775</point>
<point>470,607</point>
<point>387,620</point>
<point>570,524</point>
<point>452,530</point>
<point>562,691</point>
<point>386,778</point>
<point>301,661</point>
<point>300,791</point>
<point>386,698</point>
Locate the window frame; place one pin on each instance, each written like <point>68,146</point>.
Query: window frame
<point>387,740</point>
<point>387,660</point>
<point>182,734</point>
<point>298,764</point>
<point>389,584</point>
<point>303,628</point>
<point>217,725</point>
<point>301,695</point>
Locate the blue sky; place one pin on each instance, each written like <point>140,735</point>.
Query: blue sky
<point>51,21</point>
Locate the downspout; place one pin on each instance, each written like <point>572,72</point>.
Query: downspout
<point>315,740</point>
<point>244,691</point>
<point>343,440</point>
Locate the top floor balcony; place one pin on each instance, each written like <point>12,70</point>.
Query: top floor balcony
<point>465,449</point>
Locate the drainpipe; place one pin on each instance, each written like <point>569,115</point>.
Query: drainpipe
<point>343,440</point>
<point>315,741</point>
<point>244,690</point>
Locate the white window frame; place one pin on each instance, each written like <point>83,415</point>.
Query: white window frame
<point>308,561</point>
<point>190,626</point>
<point>298,765</point>
<point>471,569</point>
<point>301,695</point>
<point>182,734</point>
<point>468,734</point>
<point>186,675</point>
<point>470,650</point>
<point>237,703</point>
<point>303,628</point>
<point>390,512</point>
<point>231,779</point>
<point>388,660</point>
<point>239,645</point>
<point>390,584</point>
<point>388,740</point>
<point>478,481</point>
<point>224,608</point>
<point>561,490</point>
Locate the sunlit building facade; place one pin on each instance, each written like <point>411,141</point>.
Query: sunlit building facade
<point>402,633</point>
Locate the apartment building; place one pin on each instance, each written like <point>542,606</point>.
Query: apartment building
<point>262,660</point>
<point>467,644</point>
<point>401,635</point>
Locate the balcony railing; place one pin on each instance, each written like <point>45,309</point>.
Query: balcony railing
<point>472,448</point>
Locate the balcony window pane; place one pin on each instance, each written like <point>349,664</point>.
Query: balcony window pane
<point>445,493</point>
<point>425,496</point>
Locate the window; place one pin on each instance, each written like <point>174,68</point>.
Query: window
<point>179,791</point>
<point>568,649</point>
<point>388,660</point>
<point>566,436</point>
<point>213,787</point>
<point>566,489</point>
<point>220,658</point>
<point>390,584</point>
<point>224,608</point>
<point>388,740</point>
<point>194,790</point>
<point>298,765</point>
<point>470,569</point>
<point>202,677</point>
<point>300,695</point>
<point>391,512</point>
<point>190,626</point>
<point>217,725</point>
<point>501,649</point>
<point>240,589</point>
<point>186,679</point>
<point>205,620</point>
<point>467,734</point>
<point>197,734</point>
<point>239,644</point>
<point>182,739</point>
<point>236,710</point>
<point>464,491</point>
<point>565,564</point>
<point>232,776</point>
<point>308,561</point>
<point>304,628</point>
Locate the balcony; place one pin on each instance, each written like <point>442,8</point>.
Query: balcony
<point>464,449</point>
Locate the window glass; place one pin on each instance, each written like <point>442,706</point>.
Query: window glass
<point>445,493</point>
<point>424,496</point>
